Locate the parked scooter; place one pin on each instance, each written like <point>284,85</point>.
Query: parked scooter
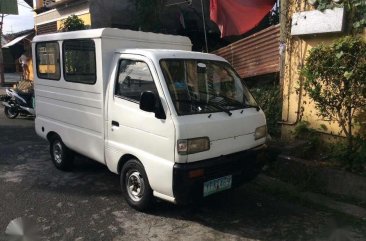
<point>16,103</point>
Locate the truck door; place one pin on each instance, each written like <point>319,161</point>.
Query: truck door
<point>136,132</point>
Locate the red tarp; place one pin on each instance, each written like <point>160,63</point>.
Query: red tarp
<point>235,17</point>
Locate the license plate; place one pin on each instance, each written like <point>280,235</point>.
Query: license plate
<point>217,185</point>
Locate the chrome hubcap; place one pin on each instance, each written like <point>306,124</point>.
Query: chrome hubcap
<point>135,186</point>
<point>57,152</point>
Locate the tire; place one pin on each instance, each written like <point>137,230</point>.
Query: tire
<point>11,112</point>
<point>135,186</point>
<point>254,167</point>
<point>62,157</point>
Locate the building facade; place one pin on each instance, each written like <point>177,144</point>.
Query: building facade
<point>50,13</point>
<point>177,17</point>
<point>297,106</point>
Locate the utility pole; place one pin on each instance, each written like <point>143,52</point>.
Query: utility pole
<point>6,7</point>
<point>204,25</point>
<point>283,37</point>
<point>2,79</point>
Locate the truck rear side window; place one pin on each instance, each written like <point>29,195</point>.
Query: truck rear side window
<point>134,77</point>
<point>79,61</point>
<point>48,60</point>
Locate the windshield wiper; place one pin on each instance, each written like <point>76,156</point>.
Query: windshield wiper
<point>252,106</point>
<point>196,102</point>
<point>221,96</point>
<point>238,103</point>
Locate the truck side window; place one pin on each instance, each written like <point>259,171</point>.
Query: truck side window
<point>134,77</point>
<point>79,61</point>
<point>48,60</point>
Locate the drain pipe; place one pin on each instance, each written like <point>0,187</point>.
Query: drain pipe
<point>299,111</point>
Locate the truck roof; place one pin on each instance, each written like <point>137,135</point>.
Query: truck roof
<point>116,34</point>
<point>158,54</point>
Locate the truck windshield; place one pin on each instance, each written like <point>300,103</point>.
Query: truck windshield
<point>205,86</point>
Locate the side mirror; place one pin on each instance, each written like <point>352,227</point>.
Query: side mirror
<point>148,101</point>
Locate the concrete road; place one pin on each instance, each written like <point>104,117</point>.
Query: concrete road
<point>86,204</point>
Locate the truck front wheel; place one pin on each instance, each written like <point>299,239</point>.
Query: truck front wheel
<point>62,156</point>
<point>135,186</point>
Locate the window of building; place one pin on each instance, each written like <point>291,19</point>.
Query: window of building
<point>79,61</point>
<point>48,60</point>
<point>134,77</point>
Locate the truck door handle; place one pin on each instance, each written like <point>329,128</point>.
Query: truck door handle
<point>115,123</point>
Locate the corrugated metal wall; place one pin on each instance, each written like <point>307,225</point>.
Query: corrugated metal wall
<point>255,55</point>
<point>47,28</point>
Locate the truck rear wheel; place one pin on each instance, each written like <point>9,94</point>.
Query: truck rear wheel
<point>62,157</point>
<point>135,186</point>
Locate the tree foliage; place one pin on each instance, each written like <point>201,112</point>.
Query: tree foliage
<point>72,23</point>
<point>335,79</point>
<point>148,14</point>
<point>269,99</point>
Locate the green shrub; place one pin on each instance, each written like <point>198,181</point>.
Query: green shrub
<point>335,79</point>
<point>72,23</point>
<point>303,131</point>
<point>269,99</point>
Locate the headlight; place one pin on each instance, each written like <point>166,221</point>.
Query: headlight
<point>194,145</point>
<point>260,132</point>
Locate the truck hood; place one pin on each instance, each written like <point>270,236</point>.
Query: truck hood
<point>227,134</point>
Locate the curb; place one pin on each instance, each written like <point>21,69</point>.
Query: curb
<point>317,178</point>
<point>318,199</point>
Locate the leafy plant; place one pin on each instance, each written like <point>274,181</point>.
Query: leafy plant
<point>148,14</point>
<point>355,161</point>
<point>335,79</point>
<point>361,123</point>
<point>303,131</point>
<point>72,23</point>
<point>359,156</point>
<point>269,99</point>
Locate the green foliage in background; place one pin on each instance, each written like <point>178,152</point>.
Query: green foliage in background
<point>148,14</point>
<point>303,131</point>
<point>269,99</point>
<point>72,23</point>
<point>335,79</point>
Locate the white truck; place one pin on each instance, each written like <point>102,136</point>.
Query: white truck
<point>174,124</point>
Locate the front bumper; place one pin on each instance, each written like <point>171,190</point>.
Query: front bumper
<point>243,166</point>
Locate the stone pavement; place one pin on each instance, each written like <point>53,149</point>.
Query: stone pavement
<point>86,204</point>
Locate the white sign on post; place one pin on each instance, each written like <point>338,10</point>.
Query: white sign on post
<point>317,22</point>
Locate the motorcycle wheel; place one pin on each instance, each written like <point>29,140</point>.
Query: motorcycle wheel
<point>11,113</point>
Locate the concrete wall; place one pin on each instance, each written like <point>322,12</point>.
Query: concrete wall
<point>59,14</point>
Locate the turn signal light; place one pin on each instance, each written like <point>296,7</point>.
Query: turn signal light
<point>196,173</point>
